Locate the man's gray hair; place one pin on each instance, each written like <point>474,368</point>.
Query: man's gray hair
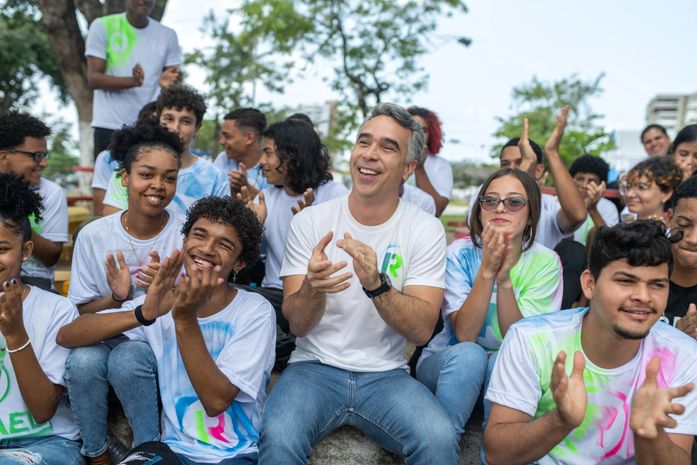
<point>404,119</point>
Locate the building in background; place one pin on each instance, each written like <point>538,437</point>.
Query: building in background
<point>672,111</point>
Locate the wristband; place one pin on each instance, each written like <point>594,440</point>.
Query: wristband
<point>138,312</point>
<point>118,301</point>
<point>26,344</point>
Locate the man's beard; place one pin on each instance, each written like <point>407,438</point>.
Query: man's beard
<point>629,335</point>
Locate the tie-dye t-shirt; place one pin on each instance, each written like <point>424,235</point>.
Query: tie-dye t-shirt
<point>193,182</point>
<point>536,280</point>
<point>522,376</point>
<point>241,339</point>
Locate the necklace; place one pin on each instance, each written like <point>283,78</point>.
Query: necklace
<point>130,242</point>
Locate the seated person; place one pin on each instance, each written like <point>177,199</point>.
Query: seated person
<point>433,175</point>
<point>23,151</point>
<point>562,214</point>
<point>603,384</point>
<point>683,279</point>
<point>362,274</point>
<point>655,140</point>
<point>493,279</point>
<point>180,109</point>
<point>35,422</point>
<point>131,243</point>
<point>240,136</point>
<point>647,187</point>
<point>213,343</point>
<point>684,150</point>
<point>105,166</point>
<point>590,175</point>
<point>296,166</point>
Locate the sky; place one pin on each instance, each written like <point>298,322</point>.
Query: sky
<point>644,47</point>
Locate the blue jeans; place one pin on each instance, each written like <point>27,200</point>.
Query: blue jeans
<point>311,400</point>
<point>131,369</point>
<point>50,450</point>
<point>455,376</point>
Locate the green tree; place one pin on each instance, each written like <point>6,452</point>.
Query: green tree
<point>62,153</point>
<point>366,51</point>
<point>541,101</point>
<point>467,174</point>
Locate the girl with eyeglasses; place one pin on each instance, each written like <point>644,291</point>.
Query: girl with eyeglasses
<point>494,278</point>
<point>647,187</point>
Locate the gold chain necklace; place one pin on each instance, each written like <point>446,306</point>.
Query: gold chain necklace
<point>128,235</point>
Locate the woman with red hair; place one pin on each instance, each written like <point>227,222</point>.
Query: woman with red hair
<point>433,174</point>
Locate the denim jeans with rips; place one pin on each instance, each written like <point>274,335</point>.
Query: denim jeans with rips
<point>49,450</point>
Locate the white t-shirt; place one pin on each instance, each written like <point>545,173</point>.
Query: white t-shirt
<point>522,376</point>
<point>278,218</point>
<point>241,338</point>
<point>193,183</point>
<point>548,232</point>
<point>255,176</point>
<point>440,173</point>
<point>44,313</point>
<point>154,47</point>
<point>106,235</point>
<point>607,210</point>
<point>104,169</point>
<point>351,334</point>
<point>418,197</point>
<point>537,285</point>
<point>54,226</point>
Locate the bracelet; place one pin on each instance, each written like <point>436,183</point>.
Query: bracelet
<point>26,344</point>
<point>118,301</point>
<point>138,312</point>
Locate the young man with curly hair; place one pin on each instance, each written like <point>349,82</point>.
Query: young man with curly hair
<point>213,343</point>
<point>23,151</point>
<point>180,109</point>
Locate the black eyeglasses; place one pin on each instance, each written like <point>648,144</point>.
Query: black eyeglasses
<point>37,156</point>
<point>489,203</point>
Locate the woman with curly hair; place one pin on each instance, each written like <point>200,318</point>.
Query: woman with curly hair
<point>34,417</point>
<point>648,186</point>
<point>114,261</point>
<point>433,174</point>
<point>296,165</point>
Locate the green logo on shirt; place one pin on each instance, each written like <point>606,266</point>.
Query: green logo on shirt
<point>392,261</point>
<point>121,39</point>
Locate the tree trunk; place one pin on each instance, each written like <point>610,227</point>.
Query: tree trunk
<point>68,47</point>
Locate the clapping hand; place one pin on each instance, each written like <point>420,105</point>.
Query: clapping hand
<point>569,392</point>
<point>321,271</point>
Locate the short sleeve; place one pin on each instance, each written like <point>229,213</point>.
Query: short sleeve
<point>221,187</point>
<point>52,357</point>
<point>543,287</point>
<point>441,177</point>
<point>54,224</point>
<point>458,279</point>
<point>95,45</point>
<point>609,212</point>
<point>116,194</point>
<point>84,270</point>
<point>244,358</point>
<point>299,245</point>
<point>427,262</point>
<point>102,171</point>
<point>514,381</point>
<point>174,54</point>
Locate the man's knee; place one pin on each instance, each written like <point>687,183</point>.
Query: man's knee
<point>132,359</point>
<point>85,361</point>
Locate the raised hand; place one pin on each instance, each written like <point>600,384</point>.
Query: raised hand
<point>554,141</point>
<point>193,292</point>
<point>493,249</point>
<point>320,270</point>
<point>508,260</point>
<point>259,208</point>
<point>307,200</point>
<point>138,75</point>
<point>146,273</point>
<point>594,192</point>
<point>11,315</point>
<point>118,276</point>
<point>169,76</point>
<point>365,261</point>
<point>652,405</point>
<point>527,154</point>
<point>569,392</point>
<point>688,323</point>
<point>161,292</point>
<point>238,180</point>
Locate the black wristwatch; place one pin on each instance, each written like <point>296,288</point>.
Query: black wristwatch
<point>385,285</point>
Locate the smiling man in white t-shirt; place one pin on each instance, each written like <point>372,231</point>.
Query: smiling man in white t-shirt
<point>362,274</point>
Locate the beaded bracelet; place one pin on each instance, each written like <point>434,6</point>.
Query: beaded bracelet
<point>26,344</point>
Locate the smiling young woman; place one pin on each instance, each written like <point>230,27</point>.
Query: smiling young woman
<point>493,279</point>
